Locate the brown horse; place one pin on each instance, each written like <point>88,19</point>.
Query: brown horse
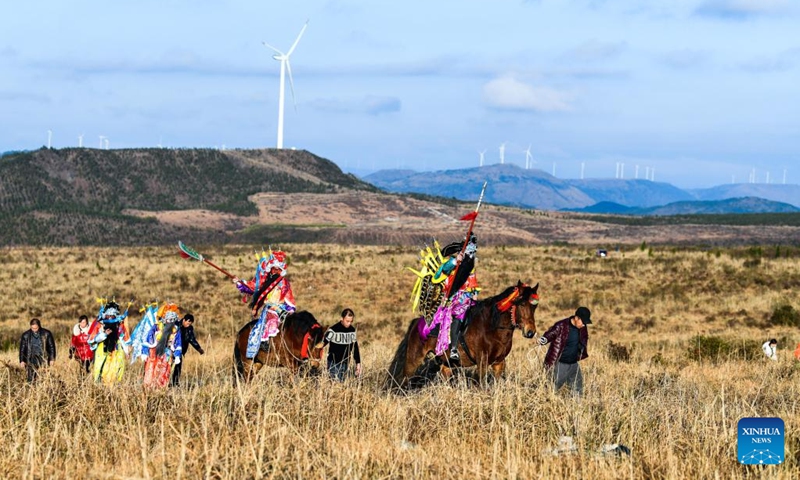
<point>486,342</point>
<point>286,349</point>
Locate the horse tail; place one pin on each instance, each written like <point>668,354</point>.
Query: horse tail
<point>395,381</point>
<point>238,365</point>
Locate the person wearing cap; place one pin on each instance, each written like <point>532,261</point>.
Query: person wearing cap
<point>187,338</point>
<point>568,339</point>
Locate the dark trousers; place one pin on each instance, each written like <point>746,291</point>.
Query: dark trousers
<point>175,380</point>
<point>86,365</point>
<point>455,332</point>
<point>569,374</point>
<point>32,369</point>
<point>338,371</point>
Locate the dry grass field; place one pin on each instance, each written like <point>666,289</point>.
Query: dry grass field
<point>677,414</point>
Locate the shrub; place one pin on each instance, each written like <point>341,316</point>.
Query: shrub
<point>618,352</point>
<point>714,348</point>
<point>785,315</point>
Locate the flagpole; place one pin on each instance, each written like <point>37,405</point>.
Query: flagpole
<point>469,233</point>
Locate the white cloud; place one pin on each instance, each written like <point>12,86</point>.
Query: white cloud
<point>508,93</point>
<point>594,50</point>
<point>742,8</point>
<point>370,105</point>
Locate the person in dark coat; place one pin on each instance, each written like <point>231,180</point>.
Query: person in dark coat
<point>568,339</point>
<point>36,348</point>
<point>343,344</point>
<point>187,338</point>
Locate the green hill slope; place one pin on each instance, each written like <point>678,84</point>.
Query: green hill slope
<point>77,196</point>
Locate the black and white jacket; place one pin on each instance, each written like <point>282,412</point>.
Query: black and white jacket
<point>342,343</point>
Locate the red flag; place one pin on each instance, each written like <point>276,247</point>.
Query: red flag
<point>469,216</point>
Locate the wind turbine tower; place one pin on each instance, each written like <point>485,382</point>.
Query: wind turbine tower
<point>49,137</point>
<point>480,162</point>
<point>502,153</point>
<point>106,140</point>
<point>285,67</point>
<point>622,170</point>
<point>80,141</point>
<point>528,158</point>
<point>101,141</point>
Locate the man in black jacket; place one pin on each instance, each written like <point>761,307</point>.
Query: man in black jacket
<point>34,345</point>
<point>187,338</point>
<point>343,344</point>
<point>568,340</point>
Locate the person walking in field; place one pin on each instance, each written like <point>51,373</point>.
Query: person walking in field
<point>36,349</point>
<point>568,339</point>
<point>770,348</point>
<point>343,344</point>
<point>187,338</point>
<point>79,348</point>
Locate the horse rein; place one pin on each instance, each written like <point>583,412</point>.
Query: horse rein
<point>513,298</point>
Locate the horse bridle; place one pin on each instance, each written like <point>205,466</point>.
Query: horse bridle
<point>534,300</point>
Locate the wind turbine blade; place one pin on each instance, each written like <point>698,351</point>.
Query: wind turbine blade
<point>273,48</point>
<point>291,82</point>
<point>294,45</point>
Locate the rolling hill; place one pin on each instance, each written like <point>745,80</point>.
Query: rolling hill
<point>695,207</point>
<point>512,185</point>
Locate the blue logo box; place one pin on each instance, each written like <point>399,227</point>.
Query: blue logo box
<point>760,441</point>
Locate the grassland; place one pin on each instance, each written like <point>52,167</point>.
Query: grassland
<point>678,415</point>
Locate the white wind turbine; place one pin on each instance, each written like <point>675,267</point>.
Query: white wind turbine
<point>285,65</point>
<point>80,141</point>
<point>528,158</point>
<point>502,153</point>
<point>101,141</point>
<point>481,160</point>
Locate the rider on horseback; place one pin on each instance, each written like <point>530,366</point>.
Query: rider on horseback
<point>462,285</point>
<point>271,290</point>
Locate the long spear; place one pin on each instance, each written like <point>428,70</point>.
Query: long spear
<point>470,216</point>
<point>187,252</point>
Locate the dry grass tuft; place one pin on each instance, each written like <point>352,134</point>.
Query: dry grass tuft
<point>678,415</point>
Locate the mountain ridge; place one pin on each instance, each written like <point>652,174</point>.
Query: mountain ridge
<point>512,185</point>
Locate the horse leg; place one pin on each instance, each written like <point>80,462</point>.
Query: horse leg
<point>499,370</point>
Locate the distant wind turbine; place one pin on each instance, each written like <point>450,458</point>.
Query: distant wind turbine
<point>528,158</point>
<point>480,164</point>
<point>106,143</point>
<point>101,141</point>
<point>502,153</point>
<point>80,141</point>
<point>622,170</point>
<point>49,137</point>
<point>285,66</point>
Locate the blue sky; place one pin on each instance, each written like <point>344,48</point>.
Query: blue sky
<point>703,91</point>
